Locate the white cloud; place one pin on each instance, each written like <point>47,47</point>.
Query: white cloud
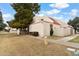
<point>7,17</point>
<point>40,14</point>
<point>59,5</point>
<point>54,11</point>
<point>74,12</point>
<point>48,12</point>
<point>59,17</point>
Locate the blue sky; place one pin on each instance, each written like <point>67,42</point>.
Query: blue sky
<point>61,11</point>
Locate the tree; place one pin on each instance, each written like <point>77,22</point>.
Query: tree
<point>74,23</point>
<point>2,25</point>
<point>24,14</point>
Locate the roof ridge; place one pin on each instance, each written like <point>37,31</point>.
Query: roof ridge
<point>55,21</point>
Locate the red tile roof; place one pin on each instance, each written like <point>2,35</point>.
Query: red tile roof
<point>54,21</point>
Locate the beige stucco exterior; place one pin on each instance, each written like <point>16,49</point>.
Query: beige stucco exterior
<point>62,31</point>
<point>38,19</point>
<point>43,28</point>
<point>41,24</point>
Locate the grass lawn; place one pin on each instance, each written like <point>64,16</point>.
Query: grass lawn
<point>25,45</point>
<point>76,40</point>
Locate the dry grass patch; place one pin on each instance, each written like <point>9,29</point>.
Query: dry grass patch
<point>27,45</point>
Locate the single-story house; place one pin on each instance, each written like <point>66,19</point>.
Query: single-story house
<point>7,28</point>
<point>42,25</point>
<point>13,30</point>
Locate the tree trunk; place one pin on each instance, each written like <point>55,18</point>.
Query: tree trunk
<point>75,30</point>
<point>28,29</point>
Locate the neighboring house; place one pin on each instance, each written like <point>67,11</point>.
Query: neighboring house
<point>13,30</point>
<point>7,28</point>
<point>42,25</point>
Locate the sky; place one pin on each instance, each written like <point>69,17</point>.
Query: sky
<point>61,11</point>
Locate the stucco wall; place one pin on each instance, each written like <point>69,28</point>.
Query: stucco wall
<point>67,31</point>
<point>58,32</point>
<point>62,31</point>
<point>38,19</point>
<point>42,28</point>
<point>38,27</point>
<point>46,29</point>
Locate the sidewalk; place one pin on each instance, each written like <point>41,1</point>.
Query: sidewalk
<point>63,41</point>
<point>66,39</point>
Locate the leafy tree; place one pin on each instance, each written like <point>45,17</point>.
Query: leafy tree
<point>2,25</point>
<point>74,23</point>
<point>24,14</point>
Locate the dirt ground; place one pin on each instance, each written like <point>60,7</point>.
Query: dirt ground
<point>25,45</point>
<point>55,37</point>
